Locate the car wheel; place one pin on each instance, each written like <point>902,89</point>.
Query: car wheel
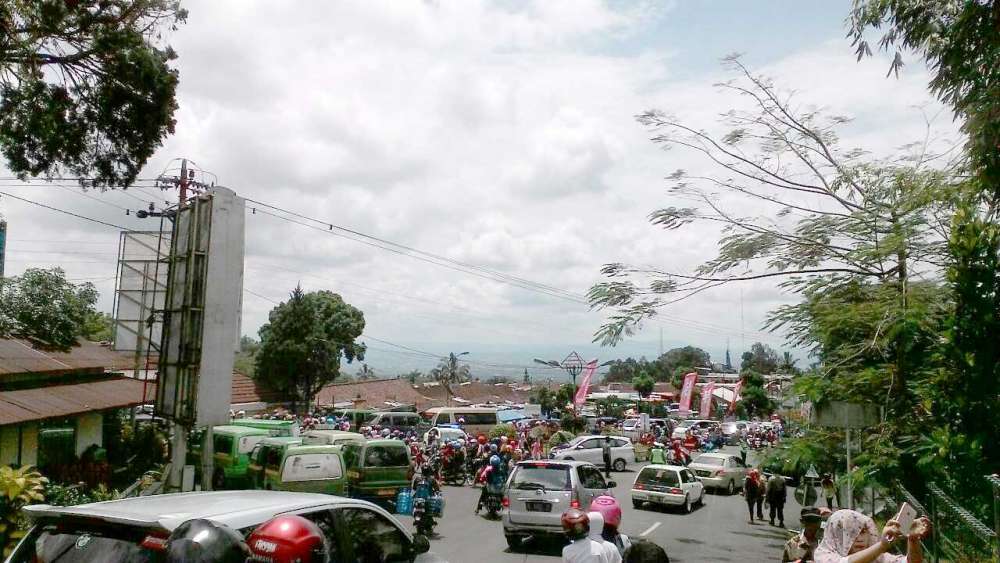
<point>701,499</point>
<point>636,504</point>
<point>687,505</point>
<point>731,488</point>
<point>514,542</point>
<point>619,465</point>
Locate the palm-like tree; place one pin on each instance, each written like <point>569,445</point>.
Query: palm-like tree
<point>365,372</point>
<point>788,363</point>
<point>450,372</point>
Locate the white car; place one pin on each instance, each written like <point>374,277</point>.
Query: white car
<point>447,434</point>
<point>670,485</point>
<point>590,448</point>
<point>133,529</point>
<point>693,424</point>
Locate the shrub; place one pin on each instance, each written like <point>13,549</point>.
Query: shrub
<point>507,430</point>
<point>18,488</point>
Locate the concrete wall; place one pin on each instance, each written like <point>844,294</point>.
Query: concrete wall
<point>29,444</point>
<point>89,430</point>
<point>8,445</point>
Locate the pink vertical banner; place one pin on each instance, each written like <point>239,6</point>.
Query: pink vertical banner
<point>736,395</point>
<point>588,374</point>
<point>706,400</point>
<point>686,391</point>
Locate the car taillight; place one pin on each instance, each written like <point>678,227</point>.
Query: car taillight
<point>575,503</point>
<point>505,502</point>
<point>640,486</point>
<point>720,473</point>
<point>675,491</point>
<point>154,542</point>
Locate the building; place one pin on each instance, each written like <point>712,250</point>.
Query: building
<point>53,404</point>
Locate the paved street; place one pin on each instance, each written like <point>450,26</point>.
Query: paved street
<point>719,531</point>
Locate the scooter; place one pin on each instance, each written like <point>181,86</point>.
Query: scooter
<point>454,471</point>
<point>494,497</point>
<point>427,504</point>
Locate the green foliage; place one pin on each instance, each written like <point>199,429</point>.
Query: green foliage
<point>303,341</point>
<point>643,384</point>
<point>564,395</point>
<point>761,358</point>
<point>571,423</point>
<point>755,401</point>
<point>450,372</point>
<point>688,357</point>
<point>86,86</point>
<point>508,430</point>
<point>560,437</point>
<point>42,306</point>
<point>663,368</point>
<point>18,488</point>
<point>611,406</point>
<point>98,327</point>
<point>545,399</point>
<point>72,495</point>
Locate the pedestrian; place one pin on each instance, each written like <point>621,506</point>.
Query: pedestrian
<point>612,512</point>
<point>536,449</point>
<point>801,546</point>
<point>829,490</point>
<point>606,451</point>
<point>852,536</point>
<point>776,496</point>
<point>753,491</point>
<point>596,534</point>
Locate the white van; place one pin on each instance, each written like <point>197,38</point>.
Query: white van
<point>476,419</point>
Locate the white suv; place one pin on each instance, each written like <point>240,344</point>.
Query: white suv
<point>590,448</point>
<point>135,529</point>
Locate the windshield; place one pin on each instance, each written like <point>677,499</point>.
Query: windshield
<point>706,460</point>
<point>535,477</point>
<point>662,477</point>
<point>386,456</point>
<point>685,423</point>
<point>48,543</point>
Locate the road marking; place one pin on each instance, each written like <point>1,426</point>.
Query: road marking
<point>650,530</point>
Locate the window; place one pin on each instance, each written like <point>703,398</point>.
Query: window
<point>688,477</point>
<point>660,477</point>
<point>312,467</point>
<point>81,543</point>
<point>386,456</point>
<point>272,457</point>
<point>373,538</point>
<point>56,442</point>
<point>352,454</point>
<point>222,444</point>
<point>248,443</point>
<point>324,520</point>
<point>590,444</point>
<point>591,478</point>
<point>480,418</point>
<point>619,443</point>
<point>443,418</point>
<point>537,477</point>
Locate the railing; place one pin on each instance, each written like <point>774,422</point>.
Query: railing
<point>957,534</point>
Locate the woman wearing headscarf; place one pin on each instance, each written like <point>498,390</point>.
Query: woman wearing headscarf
<point>851,537</point>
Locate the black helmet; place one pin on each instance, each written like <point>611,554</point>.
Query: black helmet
<point>204,541</point>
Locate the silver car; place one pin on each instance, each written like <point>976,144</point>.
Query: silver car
<point>538,492</point>
<point>720,471</point>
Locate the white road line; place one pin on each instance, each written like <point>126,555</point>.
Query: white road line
<point>650,530</point>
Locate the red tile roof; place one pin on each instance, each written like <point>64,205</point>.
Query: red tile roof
<point>246,390</point>
<point>375,393</point>
<point>65,400</point>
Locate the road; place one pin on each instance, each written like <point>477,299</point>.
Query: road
<point>718,531</point>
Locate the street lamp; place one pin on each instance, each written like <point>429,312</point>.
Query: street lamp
<point>573,365</point>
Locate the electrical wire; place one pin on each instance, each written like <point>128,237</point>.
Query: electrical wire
<point>63,211</point>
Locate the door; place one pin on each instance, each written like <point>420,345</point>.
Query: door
<point>588,450</point>
<point>371,537</point>
<point>622,449</point>
<point>384,469</point>
<point>592,484</point>
<point>736,467</point>
<point>691,485</point>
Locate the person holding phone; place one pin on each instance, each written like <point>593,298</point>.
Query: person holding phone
<point>851,537</point>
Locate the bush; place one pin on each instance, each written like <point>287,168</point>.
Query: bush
<point>72,495</point>
<point>507,430</point>
<point>18,488</point>
<point>571,423</point>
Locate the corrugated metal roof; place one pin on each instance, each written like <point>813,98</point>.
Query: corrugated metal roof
<point>65,400</point>
<point>18,356</point>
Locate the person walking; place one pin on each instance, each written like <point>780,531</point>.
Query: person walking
<point>829,490</point>
<point>753,491</point>
<point>776,496</point>
<point>606,451</point>
<point>536,449</point>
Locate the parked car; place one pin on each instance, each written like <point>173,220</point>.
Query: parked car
<point>266,458</point>
<point>477,420</point>
<point>377,469</point>
<point>692,424</point>
<point>231,446</point>
<point>310,469</point>
<point>356,417</point>
<point>403,421</point>
<point>538,492</point>
<point>448,434</point>
<point>734,430</point>
<point>589,448</point>
<point>331,438</point>
<point>668,485</point>
<point>132,529</point>
<point>720,471</point>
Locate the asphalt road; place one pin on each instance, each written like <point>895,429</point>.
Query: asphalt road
<point>716,532</point>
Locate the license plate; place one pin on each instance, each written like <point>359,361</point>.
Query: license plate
<point>538,507</point>
<point>640,496</point>
<point>386,492</point>
<point>702,473</point>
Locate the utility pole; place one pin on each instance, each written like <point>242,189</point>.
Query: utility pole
<point>183,185</point>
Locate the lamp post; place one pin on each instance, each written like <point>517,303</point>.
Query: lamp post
<point>572,364</point>
<point>452,366</point>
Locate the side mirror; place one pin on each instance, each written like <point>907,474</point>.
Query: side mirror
<point>612,484</point>
<point>421,544</point>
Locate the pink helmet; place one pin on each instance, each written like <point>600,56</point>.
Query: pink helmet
<point>608,507</point>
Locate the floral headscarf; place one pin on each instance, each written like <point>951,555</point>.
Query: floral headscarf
<point>842,529</point>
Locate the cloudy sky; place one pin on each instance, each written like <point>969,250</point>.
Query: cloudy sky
<point>500,134</point>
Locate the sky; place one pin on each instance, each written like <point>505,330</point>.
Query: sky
<point>500,134</point>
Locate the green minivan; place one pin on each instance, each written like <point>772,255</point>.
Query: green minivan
<point>231,446</point>
<point>279,428</point>
<point>331,438</point>
<point>310,469</point>
<point>377,469</point>
<point>266,458</point>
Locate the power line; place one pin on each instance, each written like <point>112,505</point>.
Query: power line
<point>70,213</point>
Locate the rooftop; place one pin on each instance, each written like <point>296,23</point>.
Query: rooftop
<point>58,401</point>
<point>19,356</point>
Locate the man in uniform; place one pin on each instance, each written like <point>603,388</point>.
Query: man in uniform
<point>800,548</point>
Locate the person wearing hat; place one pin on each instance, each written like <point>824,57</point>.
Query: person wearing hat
<point>800,548</point>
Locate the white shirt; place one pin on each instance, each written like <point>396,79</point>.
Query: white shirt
<point>584,550</point>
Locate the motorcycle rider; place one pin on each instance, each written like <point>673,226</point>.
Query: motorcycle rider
<point>424,487</point>
<point>582,549</point>
<point>493,479</point>
<point>609,508</point>
<point>204,541</point>
<point>288,538</point>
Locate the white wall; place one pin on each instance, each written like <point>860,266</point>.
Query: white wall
<point>89,430</point>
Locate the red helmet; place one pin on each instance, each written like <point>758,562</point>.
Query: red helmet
<point>608,507</point>
<point>288,539</point>
<point>481,439</point>
<point>575,523</point>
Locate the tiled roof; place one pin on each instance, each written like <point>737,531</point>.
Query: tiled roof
<point>375,392</point>
<point>65,400</point>
<point>246,390</point>
<point>18,356</point>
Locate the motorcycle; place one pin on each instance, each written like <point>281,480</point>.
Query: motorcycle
<point>427,504</point>
<point>454,471</point>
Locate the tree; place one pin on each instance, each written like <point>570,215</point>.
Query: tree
<point>688,357</point>
<point>643,385</point>
<point>365,373</point>
<point>413,376</point>
<point>86,86</point>
<point>761,358</point>
<point>42,306</point>
<point>98,327</point>
<point>303,342</point>
<point>450,372</point>
<point>754,397</point>
<point>565,395</point>
<point>787,364</point>
<point>545,400</point>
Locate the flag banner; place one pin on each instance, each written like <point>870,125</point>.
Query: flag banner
<point>706,400</point>
<point>736,395</point>
<point>588,374</point>
<point>688,388</point>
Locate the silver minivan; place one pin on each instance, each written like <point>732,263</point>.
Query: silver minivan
<point>538,492</point>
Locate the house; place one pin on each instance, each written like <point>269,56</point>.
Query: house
<point>53,403</point>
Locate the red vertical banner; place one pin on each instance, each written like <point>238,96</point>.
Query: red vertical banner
<point>588,374</point>
<point>706,400</point>
<point>686,391</point>
<point>736,395</point>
